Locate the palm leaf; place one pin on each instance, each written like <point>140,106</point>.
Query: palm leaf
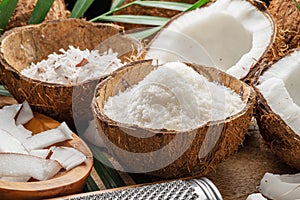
<point>7,8</point>
<point>164,4</point>
<point>40,11</point>
<point>297,5</point>
<point>135,19</point>
<point>80,8</point>
<point>197,4</point>
<point>109,176</point>
<point>116,3</point>
<point>145,33</point>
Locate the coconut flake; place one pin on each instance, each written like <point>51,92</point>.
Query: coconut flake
<point>68,67</point>
<point>275,186</point>
<point>48,138</point>
<point>41,153</point>
<point>173,97</point>
<point>21,165</point>
<point>67,157</point>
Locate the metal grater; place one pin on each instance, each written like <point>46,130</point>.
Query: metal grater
<point>195,189</point>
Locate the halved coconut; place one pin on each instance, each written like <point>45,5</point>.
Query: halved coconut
<point>25,8</point>
<point>165,152</point>
<point>30,44</point>
<point>278,112</point>
<point>231,35</point>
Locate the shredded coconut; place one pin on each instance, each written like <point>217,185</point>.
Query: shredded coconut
<point>73,66</point>
<point>173,97</point>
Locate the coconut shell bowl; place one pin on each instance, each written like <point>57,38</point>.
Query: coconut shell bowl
<point>168,153</point>
<point>31,44</point>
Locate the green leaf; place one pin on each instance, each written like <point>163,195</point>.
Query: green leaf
<point>109,176</point>
<point>297,5</point>
<point>80,8</point>
<point>197,5</point>
<point>116,3</point>
<point>164,4</point>
<point>40,11</point>
<point>145,33</point>
<point>3,91</point>
<point>7,8</point>
<point>135,19</point>
<point>91,185</point>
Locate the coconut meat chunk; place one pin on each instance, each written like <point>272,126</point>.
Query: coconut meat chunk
<point>48,138</point>
<point>25,114</point>
<point>8,143</point>
<point>275,186</point>
<point>68,157</point>
<point>38,168</point>
<point>229,34</point>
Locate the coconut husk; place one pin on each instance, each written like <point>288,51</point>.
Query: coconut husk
<point>142,10</point>
<point>286,17</point>
<point>30,44</point>
<point>124,143</point>
<point>25,8</point>
<point>280,138</point>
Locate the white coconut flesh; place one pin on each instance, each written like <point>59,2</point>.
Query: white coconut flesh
<point>279,187</point>
<point>49,137</point>
<point>38,168</point>
<point>229,34</point>
<point>256,196</point>
<point>280,85</point>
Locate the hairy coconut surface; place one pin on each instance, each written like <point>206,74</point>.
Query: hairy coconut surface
<point>230,35</point>
<point>138,148</point>
<point>142,10</point>
<point>25,8</point>
<point>278,111</point>
<point>30,44</point>
<point>286,17</point>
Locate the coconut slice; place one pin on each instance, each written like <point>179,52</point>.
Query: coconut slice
<point>10,144</point>
<point>38,168</point>
<point>8,123</point>
<point>278,187</point>
<point>256,196</point>
<point>41,153</point>
<point>278,113</point>
<point>67,157</point>
<point>25,114</point>
<point>49,137</point>
<point>229,34</point>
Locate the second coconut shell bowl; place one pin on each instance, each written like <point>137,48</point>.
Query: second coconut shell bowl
<point>30,44</point>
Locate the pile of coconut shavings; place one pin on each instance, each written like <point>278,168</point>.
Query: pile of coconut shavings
<point>73,66</point>
<point>174,97</point>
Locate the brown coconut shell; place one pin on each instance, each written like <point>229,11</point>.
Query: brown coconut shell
<point>25,8</point>
<point>22,46</point>
<point>122,136</point>
<point>142,10</point>
<point>280,138</point>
